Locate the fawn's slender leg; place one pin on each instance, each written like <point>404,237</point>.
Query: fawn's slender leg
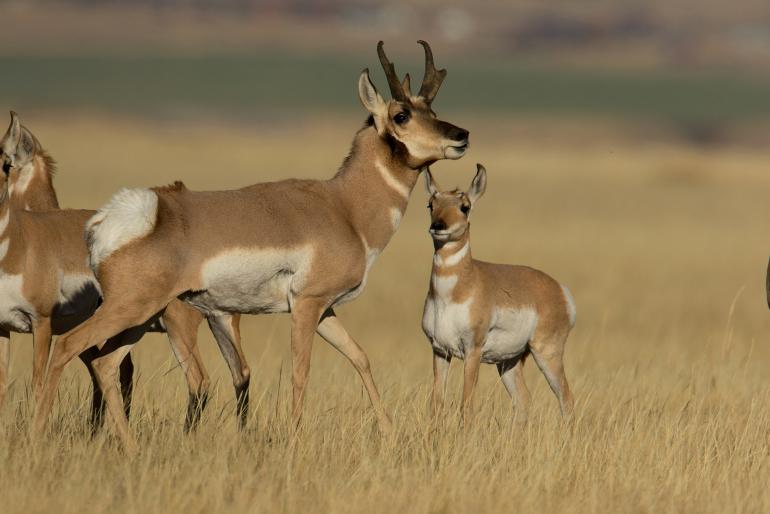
<point>441,364</point>
<point>512,375</point>
<point>548,355</point>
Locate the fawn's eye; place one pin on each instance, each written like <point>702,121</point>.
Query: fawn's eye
<point>401,117</point>
<point>465,209</point>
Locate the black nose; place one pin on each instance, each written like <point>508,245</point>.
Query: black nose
<point>438,225</point>
<point>461,135</point>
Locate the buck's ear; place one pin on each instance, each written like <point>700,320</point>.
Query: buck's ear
<point>479,184</point>
<point>18,143</point>
<point>431,187</point>
<point>367,93</point>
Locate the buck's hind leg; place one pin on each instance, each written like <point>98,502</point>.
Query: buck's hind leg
<point>549,353</point>
<point>512,375</point>
<point>228,336</point>
<point>181,323</point>
<point>41,342</point>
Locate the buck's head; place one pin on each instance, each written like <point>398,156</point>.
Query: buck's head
<point>408,119</point>
<point>450,210</point>
<point>17,148</point>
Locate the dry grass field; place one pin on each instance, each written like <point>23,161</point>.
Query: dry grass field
<point>664,247</point>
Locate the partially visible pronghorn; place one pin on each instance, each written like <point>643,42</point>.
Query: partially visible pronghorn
<point>298,246</point>
<point>491,313</point>
<point>46,286</point>
<point>767,283</point>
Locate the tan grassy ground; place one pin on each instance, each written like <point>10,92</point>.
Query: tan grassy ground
<point>663,247</point>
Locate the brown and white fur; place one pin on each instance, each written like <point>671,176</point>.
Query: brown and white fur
<point>46,286</point>
<point>491,313</point>
<point>298,246</point>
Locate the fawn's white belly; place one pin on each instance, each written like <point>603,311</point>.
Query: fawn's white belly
<point>251,281</point>
<point>448,326</point>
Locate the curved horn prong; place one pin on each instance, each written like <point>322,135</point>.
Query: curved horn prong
<point>433,78</point>
<point>396,91</point>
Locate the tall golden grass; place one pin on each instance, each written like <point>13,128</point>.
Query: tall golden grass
<point>664,248</point>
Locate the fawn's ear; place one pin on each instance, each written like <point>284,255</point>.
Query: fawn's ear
<point>478,185</point>
<point>430,184</point>
<point>18,143</point>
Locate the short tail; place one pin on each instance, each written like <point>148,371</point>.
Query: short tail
<point>130,214</point>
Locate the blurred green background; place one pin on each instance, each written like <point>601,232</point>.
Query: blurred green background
<point>702,68</point>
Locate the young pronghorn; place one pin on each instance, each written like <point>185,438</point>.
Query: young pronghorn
<point>491,313</point>
<point>298,246</point>
<point>47,287</point>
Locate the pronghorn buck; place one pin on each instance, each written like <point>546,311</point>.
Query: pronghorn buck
<point>46,286</point>
<point>491,313</point>
<point>298,246</point>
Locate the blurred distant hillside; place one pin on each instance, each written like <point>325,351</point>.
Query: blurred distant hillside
<point>698,69</point>
<point>627,33</point>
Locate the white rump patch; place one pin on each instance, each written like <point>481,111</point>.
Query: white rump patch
<point>393,183</point>
<point>571,310</point>
<point>130,214</point>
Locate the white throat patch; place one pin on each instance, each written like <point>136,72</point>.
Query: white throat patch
<point>393,183</point>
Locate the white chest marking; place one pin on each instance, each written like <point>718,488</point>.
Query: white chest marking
<point>399,187</point>
<point>15,310</point>
<point>251,280</point>
<point>395,217</point>
<point>371,256</point>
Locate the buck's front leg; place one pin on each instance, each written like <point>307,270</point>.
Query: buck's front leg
<point>335,334</point>
<point>305,316</point>
<point>441,364</point>
<point>41,342</point>
<point>471,378</point>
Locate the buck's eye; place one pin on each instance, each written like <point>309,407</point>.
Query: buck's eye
<point>430,207</point>
<point>401,117</point>
<point>465,209</point>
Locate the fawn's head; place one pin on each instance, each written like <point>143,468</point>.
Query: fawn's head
<point>408,120</point>
<point>450,210</point>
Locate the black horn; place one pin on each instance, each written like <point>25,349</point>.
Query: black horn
<point>433,78</point>
<point>396,90</point>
